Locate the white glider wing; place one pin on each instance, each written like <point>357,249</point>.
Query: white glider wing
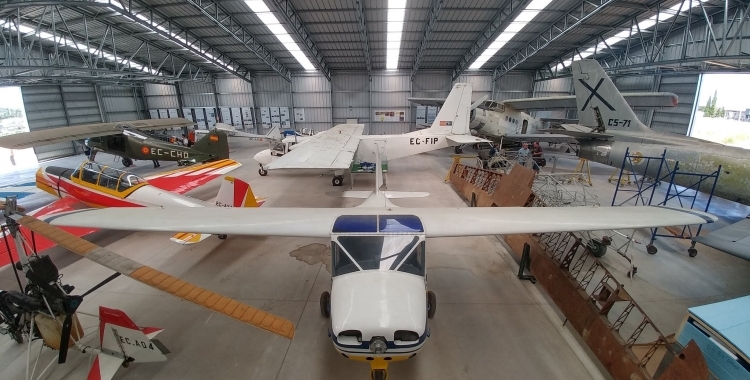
<point>331,149</point>
<point>77,132</point>
<point>437,222</point>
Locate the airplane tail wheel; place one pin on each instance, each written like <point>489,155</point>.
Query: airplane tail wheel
<point>596,247</point>
<point>338,180</point>
<point>325,304</point>
<point>431,304</point>
<point>262,172</point>
<point>692,252</point>
<point>378,374</point>
<point>651,249</point>
<point>126,162</point>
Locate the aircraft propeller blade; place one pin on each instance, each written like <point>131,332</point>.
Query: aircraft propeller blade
<point>65,338</point>
<point>162,281</point>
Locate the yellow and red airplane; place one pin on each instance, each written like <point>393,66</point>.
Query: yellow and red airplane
<point>92,185</point>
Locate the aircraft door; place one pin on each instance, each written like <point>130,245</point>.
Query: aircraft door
<point>525,126</point>
<point>116,142</point>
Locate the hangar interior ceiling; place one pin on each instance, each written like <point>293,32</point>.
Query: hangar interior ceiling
<point>105,60</point>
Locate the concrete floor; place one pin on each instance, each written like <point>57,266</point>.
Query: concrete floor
<point>488,323</point>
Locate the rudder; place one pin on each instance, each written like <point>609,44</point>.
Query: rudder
<point>235,192</point>
<point>453,117</point>
<point>214,143</point>
<point>594,89</point>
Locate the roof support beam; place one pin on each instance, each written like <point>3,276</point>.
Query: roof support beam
<point>362,24</point>
<point>292,19</point>
<point>434,13</point>
<point>569,21</point>
<point>501,21</point>
<point>224,20</point>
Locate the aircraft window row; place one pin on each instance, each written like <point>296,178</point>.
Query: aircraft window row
<point>511,120</point>
<point>402,253</point>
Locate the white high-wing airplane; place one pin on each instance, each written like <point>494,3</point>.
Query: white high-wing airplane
<point>379,303</point>
<point>336,149</point>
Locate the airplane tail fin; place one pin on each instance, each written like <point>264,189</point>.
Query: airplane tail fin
<point>595,91</point>
<point>122,341</point>
<point>453,118</point>
<point>214,143</point>
<point>235,192</point>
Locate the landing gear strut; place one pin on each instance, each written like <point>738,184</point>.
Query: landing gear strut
<point>338,180</point>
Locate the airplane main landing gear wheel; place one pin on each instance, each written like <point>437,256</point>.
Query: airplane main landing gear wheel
<point>222,237</point>
<point>651,249</point>
<point>262,172</point>
<point>378,374</point>
<point>692,252</point>
<point>338,180</point>
<point>596,247</point>
<point>325,304</point>
<point>126,162</point>
<point>458,150</point>
<point>431,304</point>
<point>18,337</point>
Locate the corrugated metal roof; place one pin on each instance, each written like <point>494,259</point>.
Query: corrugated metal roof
<point>333,28</point>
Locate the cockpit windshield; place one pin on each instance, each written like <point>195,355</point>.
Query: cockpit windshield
<point>403,253</point>
<point>107,177</point>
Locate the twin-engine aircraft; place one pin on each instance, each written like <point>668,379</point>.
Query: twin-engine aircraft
<point>92,185</point>
<point>379,303</point>
<point>338,148</point>
<point>127,140</point>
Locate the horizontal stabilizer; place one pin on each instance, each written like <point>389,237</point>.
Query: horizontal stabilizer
<point>118,333</point>
<point>733,239</point>
<point>104,367</point>
<point>187,238</point>
<point>358,194</point>
<point>465,139</point>
<point>405,194</point>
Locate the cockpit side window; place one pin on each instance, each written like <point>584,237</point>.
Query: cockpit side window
<point>128,180</point>
<point>90,175</point>
<point>342,264</point>
<point>108,178</point>
<point>414,263</point>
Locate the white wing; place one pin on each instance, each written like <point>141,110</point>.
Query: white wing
<point>77,132</point>
<point>438,222</point>
<point>640,100</point>
<point>332,149</point>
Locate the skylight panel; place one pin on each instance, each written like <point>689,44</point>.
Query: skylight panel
<point>396,14</point>
<point>272,23</point>
<point>515,26</point>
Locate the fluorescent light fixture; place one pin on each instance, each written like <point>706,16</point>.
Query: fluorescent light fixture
<point>664,16</point>
<point>396,14</point>
<point>272,23</point>
<point>515,26</point>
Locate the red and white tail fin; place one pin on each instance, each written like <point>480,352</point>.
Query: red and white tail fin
<point>121,340</point>
<point>235,192</point>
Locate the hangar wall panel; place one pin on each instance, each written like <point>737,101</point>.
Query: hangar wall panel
<point>639,84</point>
<point>389,93</point>
<point>554,87</point>
<point>120,103</point>
<point>59,106</point>
<point>161,96</point>
<point>429,84</point>
<point>313,93</point>
<point>197,94</point>
<point>513,86</point>
<point>677,119</point>
<point>234,92</point>
<point>350,98</point>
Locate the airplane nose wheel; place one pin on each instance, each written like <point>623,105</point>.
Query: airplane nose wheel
<point>378,374</point>
<point>325,304</point>
<point>431,304</point>
<point>338,180</point>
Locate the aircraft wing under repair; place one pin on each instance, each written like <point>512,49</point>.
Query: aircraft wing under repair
<point>77,132</point>
<point>437,222</point>
<point>641,100</point>
<point>332,149</point>
<point>733,239</point>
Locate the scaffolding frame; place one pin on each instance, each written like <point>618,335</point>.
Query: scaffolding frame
<point>644,194</point>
